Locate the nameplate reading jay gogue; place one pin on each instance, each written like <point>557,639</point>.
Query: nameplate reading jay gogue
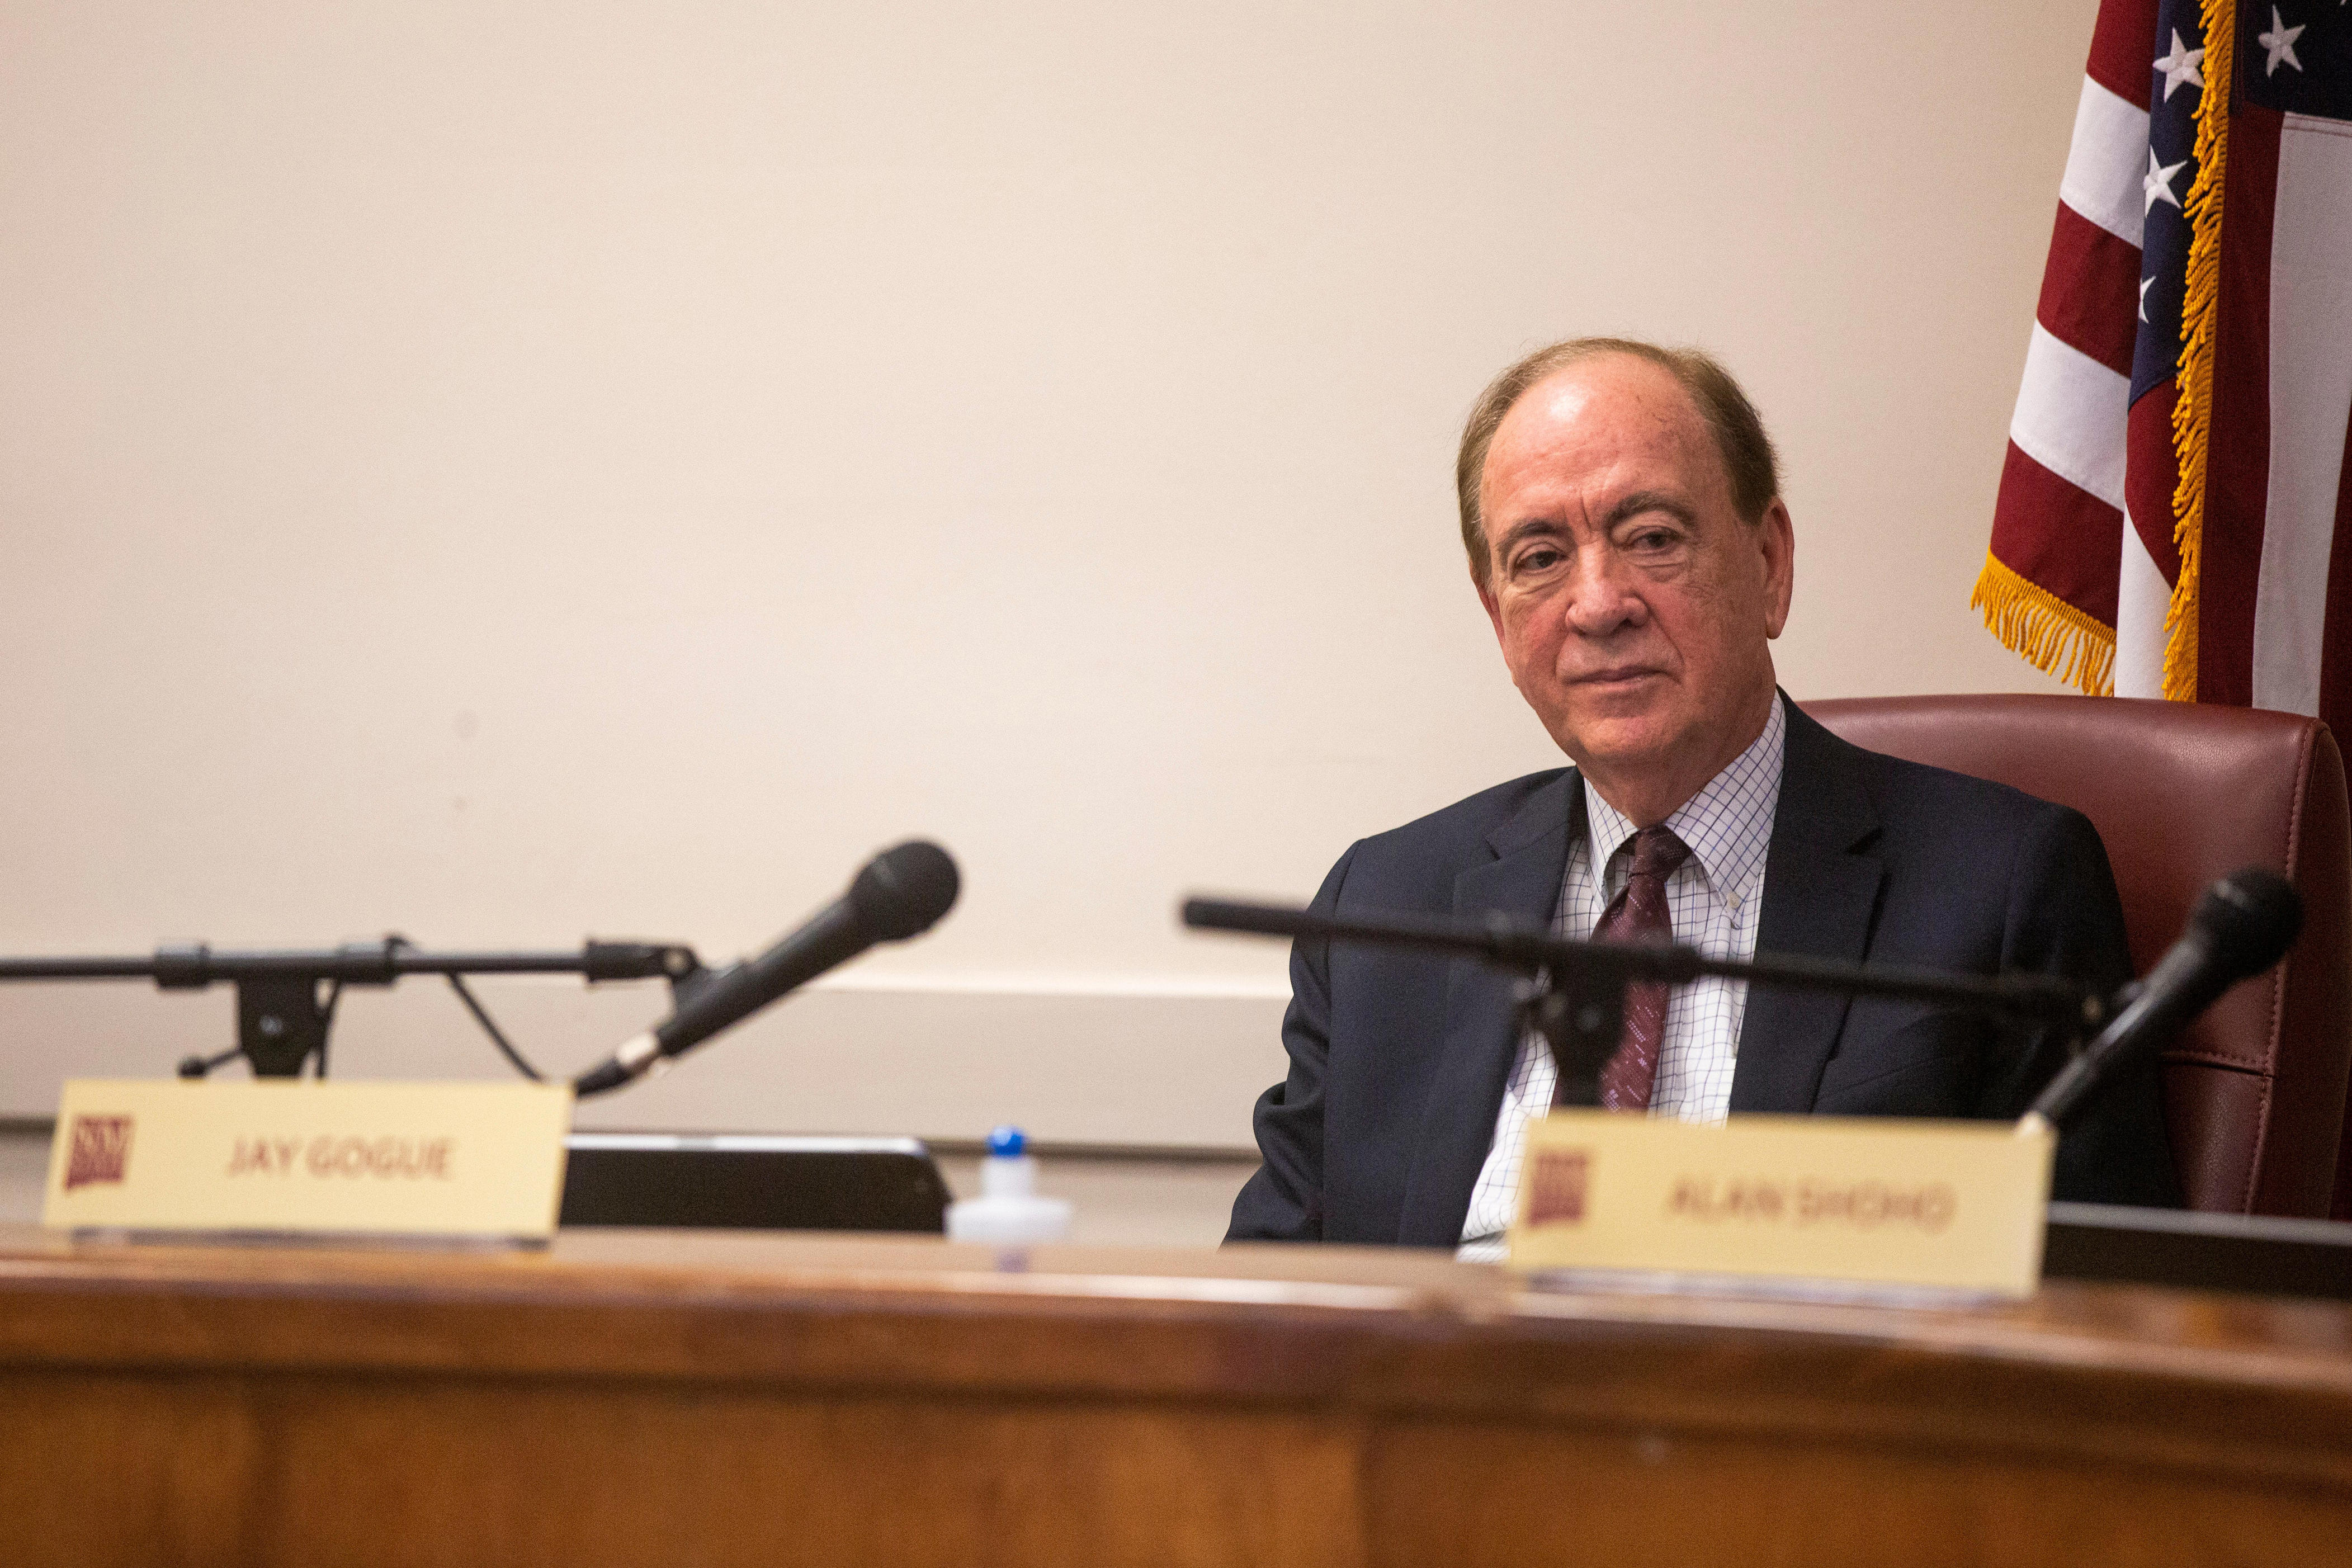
<point>1939,1207</point>
<point>286,1155</point>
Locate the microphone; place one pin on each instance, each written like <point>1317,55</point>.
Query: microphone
<point>2239,927</point>
<point>899,893</point>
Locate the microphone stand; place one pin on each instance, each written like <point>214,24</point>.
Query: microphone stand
<point>282,1019</point>
<point>1574,992</point>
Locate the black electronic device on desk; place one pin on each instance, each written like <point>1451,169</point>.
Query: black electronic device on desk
<point>751,1182</point>
<point>2251,1254</point>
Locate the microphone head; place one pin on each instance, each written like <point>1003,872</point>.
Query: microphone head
<point>2250,917</point>
<point>903,892</point>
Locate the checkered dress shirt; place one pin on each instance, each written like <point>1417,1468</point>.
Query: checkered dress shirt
<point>1713,899</point>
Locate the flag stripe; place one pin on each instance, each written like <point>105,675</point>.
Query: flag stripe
<point>2057,534</point>
<point>2310,398</point>
<point>2120,50</point>
<point>2070,418</point>
<point>2142,597</point>
<point>2090,291</point>
<point>2236,459</point>
<point>2149,480</point>
<point>2153,470</point>
<point>2105,162</point>
<point>2336,654</point>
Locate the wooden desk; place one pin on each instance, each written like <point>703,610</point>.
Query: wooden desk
<point>653,1397</point>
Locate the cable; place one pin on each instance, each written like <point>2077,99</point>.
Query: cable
<point>481,1016</point>
<point>497,1039</point>
<point>326,1026</point>
<point>489,1027</point>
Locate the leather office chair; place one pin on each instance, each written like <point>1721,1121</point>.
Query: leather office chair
<point>2182,793</point>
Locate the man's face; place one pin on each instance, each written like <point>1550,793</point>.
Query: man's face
<point>1631,602</point>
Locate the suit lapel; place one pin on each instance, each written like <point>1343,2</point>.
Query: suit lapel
<point>1522,883</point>
<point>1821,892</point>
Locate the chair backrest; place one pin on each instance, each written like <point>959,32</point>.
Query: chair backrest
<point>2182,793</point>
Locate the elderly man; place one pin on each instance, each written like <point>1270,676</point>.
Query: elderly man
<point>1620,507</point>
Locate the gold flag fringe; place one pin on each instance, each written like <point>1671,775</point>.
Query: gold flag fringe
<point>2045,630</point>
<point>2192,412</point>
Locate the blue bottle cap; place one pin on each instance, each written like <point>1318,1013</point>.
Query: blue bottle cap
<point>1005,1143</point>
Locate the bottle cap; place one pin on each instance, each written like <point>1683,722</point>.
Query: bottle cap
<point>1006,1143</point>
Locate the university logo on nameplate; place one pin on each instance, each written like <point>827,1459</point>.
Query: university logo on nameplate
<point>470,1160</point>
<point>1944,1206</point>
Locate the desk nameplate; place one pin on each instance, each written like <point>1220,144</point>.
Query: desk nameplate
<point>1913,1206</point>
<point>303,1157</point>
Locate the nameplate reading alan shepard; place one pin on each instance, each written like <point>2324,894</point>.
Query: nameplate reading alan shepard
<point>364,1159</point>
<point>1940,1206</point>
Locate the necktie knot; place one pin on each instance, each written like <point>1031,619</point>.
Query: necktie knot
<point>1656,852</point>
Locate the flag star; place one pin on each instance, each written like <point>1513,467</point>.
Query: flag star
<point>2180,66</point>
<point>2280,42</point>
<point>2145,284</point>
<point>2157,184</point>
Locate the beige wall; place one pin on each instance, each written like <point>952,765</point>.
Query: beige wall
<point>501,474</point>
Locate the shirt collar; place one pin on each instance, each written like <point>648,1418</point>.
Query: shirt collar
<point>1727,825</point>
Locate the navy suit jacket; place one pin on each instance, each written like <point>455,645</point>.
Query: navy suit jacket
<point>1398,1060</point>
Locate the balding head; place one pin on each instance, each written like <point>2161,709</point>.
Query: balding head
<point>1752,468</point>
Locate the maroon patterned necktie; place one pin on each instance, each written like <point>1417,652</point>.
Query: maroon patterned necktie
<point>1639,914</point>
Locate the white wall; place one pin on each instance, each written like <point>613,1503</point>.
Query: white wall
<point>503,474</point>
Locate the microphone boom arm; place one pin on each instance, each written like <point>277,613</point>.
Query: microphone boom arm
<point>1574,993</point>
<point>281,1021</point>
<point>1507,944</point>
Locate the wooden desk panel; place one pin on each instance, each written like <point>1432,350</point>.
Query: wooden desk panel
<point>648,1397</point>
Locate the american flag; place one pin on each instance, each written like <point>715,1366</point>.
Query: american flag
<point>2175,488</point>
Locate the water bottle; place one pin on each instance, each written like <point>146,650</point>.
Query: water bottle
<point>1008,1211</point>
